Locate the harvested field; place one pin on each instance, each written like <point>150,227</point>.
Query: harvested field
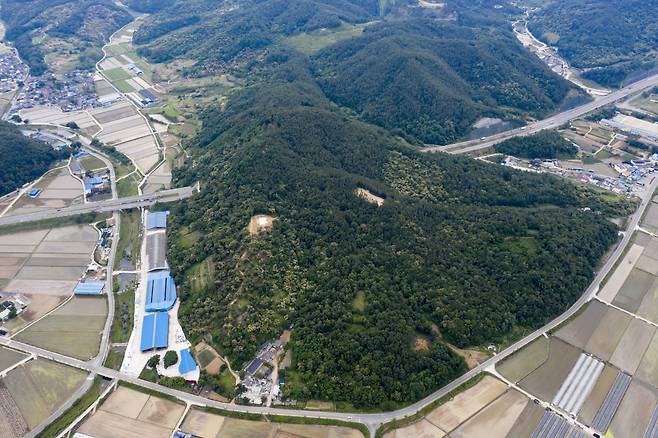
<point>59,189</point>
<point>651,248</point>
<point>650,221</point>
<point>451,414</point>
<point>545,381</point>
<point>579,330</point>
<point>649,306</point>
<point>496,420</point>
<point>631,293</point>
<point>527,421</point>
<point>130,413</point>
<point>648,369</point>
<point>50,115</point>
<point>634,412</point>
<point>420,429</point>
<point>617,279</point>
<point>40,387</point>
<point>632,346</point>
<point>141,149</point>
<point>112,113</point>
<point>524,361</point>
<point>607,335</point>
<point>597,395</point>
<point>202,424</point>
<point>73,330</point>
<point>12,423</point>
<point>9,358</point>
<point>105,424</point>
<point>647,264</point>
<point>160,179</point>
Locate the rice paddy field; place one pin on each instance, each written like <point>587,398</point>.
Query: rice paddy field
<point>73,330</point>
<point>524,361</point>
<point>35,390</point>
<point>9,358</point>
<point>207,425</point>
<point>44,266</point>
<point>545,381</point>
<point>129,413</point>
<point>51,115</point>
<point>58,189</point>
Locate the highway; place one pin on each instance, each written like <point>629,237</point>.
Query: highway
<point>126,203</point>
<point>548,123</point>
<point>373,421</point>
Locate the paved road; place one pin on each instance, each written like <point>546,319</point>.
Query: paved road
<point>549,123</point>
<point>373,421</point>
<point>145,200</point>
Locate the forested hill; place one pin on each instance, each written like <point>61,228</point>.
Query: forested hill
<point>23,159</point>
<point>461,251</point>
<point>610,39</point>
<point>434,80</point>
<point>33,23</point>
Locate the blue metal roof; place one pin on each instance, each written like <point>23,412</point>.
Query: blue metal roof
<point>186,363</point>
<point>160,292</point>
<point>155,331</point>
<point>89,288</point>
<point>156,219</point>
<point>95,180</point>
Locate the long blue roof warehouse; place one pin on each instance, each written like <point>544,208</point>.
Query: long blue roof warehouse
<point>155,331</point>
<point>160,292</point>
<point>157,219</point>
<point>186,363</point>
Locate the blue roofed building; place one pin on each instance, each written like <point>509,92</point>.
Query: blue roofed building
<point>160,292</point>
<point>155,331</point>
<point>89,288</point>
<point>186,363</point>
<point>34,193</point>
<point>157,219</point>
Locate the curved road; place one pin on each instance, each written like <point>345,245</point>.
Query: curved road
<point>373,421</point>
<point>549,123</point>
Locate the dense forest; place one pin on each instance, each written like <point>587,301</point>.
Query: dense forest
<point>90,21</point>
<point>460,252</point>
<point>610,39</point>
<point>544,144</point>
<point>23,159</point>
<point>433,81</point>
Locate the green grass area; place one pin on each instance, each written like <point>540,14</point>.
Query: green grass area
<point>312,42</point>
<point>201,274</point>
<point>116,74</point>
<point>62,422</point>
<point>91,163</point>
<point>129,234</point>
<point>227,383</point>
<point>124,311</point>
<point>114,359</point>
<point>590,159</point>
<point>129,186</point>
<point>396,424</point>
<point>603,154</point>
<point>123,86</point>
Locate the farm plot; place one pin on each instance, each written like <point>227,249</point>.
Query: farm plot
<point>143,151</point>
<point>647,371</point>
<point>610,289</point>
<point>524,361</point>
<point>207,425</point>
<point>546,380</point>
<point>578,331</point>
<point>12,423</point>
<point>51,115</point>
<point>9,358</point>
<point>598,394</point>
<point>114,112</point>
<point>635,411</point>
<point>609,332</point>
<point>612,400</point>
<point>650,221</point>
<point>497,419</point>
<point>578,384</point>
<point>73,330</point>
<point>632,346</point>
<point>450,415</point>
<point>47,261</point>
<point>40,387</point>
<point>58,189</point>
<point>160,179</point>
<point>527,421</point>
<point>132,414</point>
<point>637,284</point>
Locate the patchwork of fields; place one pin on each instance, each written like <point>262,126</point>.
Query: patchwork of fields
<point>58,189</point>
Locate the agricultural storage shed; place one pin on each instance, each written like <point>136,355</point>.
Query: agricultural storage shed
<point>89,288</point>
<point>186,363</point>
<point>160,292</point>
<point>156,220</point>
<point>155,331</point>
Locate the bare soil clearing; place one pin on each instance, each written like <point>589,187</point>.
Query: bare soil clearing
<point>260,223</point>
